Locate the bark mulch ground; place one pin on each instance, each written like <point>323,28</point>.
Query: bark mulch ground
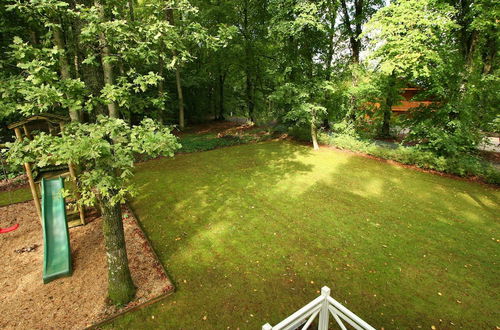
<point>73,302</point>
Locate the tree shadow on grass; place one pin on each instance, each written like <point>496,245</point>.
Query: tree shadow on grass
<point>250,233</point>
<point>212,183</point>
<point>411,236</point>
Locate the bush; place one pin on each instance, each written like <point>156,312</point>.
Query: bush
<point>300,133</point>
<point>9,171</point>
<point>463,165</point>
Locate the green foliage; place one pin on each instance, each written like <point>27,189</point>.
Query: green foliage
<point>103,151</point>
<point>285,61</point>
<point>464,165</point>
<point>445,130</point>
<point>38,88</point>
<point>414,40</point>
<point>410,38</point>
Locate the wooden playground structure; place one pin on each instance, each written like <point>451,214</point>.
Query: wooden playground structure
<point>50,124</point>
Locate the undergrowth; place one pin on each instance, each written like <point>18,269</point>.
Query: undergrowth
<point>465,165</point>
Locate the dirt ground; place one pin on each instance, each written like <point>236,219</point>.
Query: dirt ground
<point>211,127</point>
<point>72,302</point>
<point>13,184</point>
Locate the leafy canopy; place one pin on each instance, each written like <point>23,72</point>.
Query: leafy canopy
<point>104,152</point>
<point>410,38</point>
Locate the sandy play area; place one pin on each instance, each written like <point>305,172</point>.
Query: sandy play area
<point>72,302</point>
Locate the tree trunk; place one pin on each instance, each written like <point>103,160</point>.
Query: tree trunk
<point>358,19</point>
<point>390,99</point>
<point>181,98</point>
<point>353,35</point>
<point>249,97</point>
<point>248,65</point>
<point>107,67</point>
<point>92,76</point>
<point>332,20</point>
<point>385,131</point>
<point>130,4</point>
<point>34,37</point>
<point>161,87</point>
<point>211,102</point>
<point>170,19</point>
<point>64,65</point>
<point>489,53</point>
<point>314,134</point>
<point>221,96</point>
<point>121,289</point>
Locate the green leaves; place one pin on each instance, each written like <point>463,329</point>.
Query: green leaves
<point>411,38</point>
<point>104,151</point>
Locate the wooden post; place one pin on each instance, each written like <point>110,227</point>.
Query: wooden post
<point>27,132</point>
<point>29,173</point>
<point>72,173</point>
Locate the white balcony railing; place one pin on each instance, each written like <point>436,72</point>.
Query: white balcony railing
<point>322,306</point>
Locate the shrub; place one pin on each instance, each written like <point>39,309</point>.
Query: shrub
<point>462,165</point>
<point>300,133</point>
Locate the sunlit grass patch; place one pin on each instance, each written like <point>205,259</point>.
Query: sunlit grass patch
<point>250,233</point>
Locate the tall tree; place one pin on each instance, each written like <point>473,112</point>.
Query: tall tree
<point>354,14</point>
<point>301,32</point>
<point>178,82</point>
<point>106,58</point>
<point>105,153</point>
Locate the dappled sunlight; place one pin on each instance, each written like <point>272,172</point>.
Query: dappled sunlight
<point>202,248</point>
<point>275,221</point>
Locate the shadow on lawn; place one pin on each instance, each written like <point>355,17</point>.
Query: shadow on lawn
<point>211,187</point>
<point>414,235</point>
<point>259,228</point>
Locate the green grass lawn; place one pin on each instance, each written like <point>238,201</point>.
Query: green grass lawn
<point>250,233</point>
<point>15,196</point>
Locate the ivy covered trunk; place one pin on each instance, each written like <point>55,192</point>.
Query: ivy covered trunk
<point>107,66</point>
<point>121,288</point>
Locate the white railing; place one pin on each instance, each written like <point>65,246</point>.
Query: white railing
<point>323,306</point>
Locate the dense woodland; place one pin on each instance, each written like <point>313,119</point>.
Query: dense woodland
<point>318,64</point>
<point>321,67</point>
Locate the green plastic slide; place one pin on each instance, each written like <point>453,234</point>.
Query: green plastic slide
<point>56,249</point>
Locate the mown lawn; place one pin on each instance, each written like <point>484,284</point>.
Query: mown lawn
<point>15,196</point>
<point>251,233</point>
